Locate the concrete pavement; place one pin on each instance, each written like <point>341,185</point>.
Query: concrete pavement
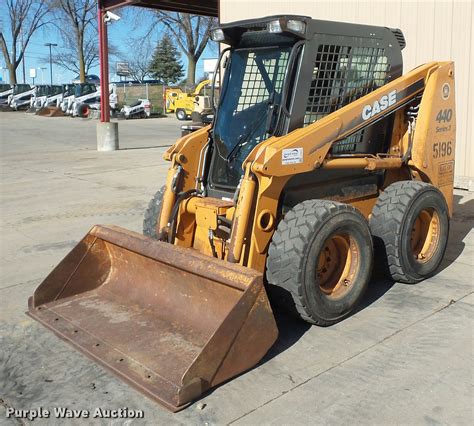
<point>406,357</point>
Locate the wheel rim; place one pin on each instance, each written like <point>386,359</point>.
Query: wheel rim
<point>425,235</point>
<point>338,264</point>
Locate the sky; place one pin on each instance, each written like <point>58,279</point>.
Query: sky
<point>120,33</point>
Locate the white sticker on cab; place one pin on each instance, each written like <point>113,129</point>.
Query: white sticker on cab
<point>292,156</point>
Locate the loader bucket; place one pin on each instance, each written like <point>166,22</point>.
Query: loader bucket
<point>170,321</point>
<point>50,111</point>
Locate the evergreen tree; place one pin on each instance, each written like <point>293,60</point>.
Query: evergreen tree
<point>165,64</point>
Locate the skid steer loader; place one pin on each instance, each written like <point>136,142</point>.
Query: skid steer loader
<point>320,149</point>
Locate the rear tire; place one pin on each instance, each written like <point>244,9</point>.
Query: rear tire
<point>152,214</point>
<point>410,226</point>
<point>181,114</point>
<point>320,261</point>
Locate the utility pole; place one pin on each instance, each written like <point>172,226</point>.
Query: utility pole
<point>42,73</point>
<point>50,45</point>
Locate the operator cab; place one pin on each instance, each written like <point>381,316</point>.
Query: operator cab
<point>82,89</point>
<point>18,89</point>
<point>5,91</point>
<point>55,90</point>
<point>286,72</point>
<point>44,90</point>
<point>68,90</point>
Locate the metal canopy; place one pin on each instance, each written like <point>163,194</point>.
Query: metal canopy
<point>197,7</point>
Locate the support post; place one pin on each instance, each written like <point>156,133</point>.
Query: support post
<point>107,132</point>
<point>104,66</point>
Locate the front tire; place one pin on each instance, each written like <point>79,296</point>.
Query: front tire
<point>151,219</point>
<point>181,114</point>
<point>320,261</point>
<point>410,225</point>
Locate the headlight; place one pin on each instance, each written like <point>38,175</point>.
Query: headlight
<point>274,26</point>
<point>217,34</point>
<point>297,26</point>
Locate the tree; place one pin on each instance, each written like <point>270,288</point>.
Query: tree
<point>191,32</point>
<point>165,64</point>
<point>67,56</point>
<point>25,17</point>
<point>138,57</point>
<point>76,21</point>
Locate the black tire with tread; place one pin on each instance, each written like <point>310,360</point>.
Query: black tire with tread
<point>181,114</point>
<point>83,110</point>
<point>294,252</point>
<point>152,214</point>
<point>391,223</point>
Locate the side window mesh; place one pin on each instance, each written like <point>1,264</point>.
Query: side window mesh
<point>341,75</point>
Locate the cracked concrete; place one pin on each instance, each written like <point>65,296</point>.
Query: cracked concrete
<point>405,357</point>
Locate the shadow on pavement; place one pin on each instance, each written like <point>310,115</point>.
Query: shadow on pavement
<point>290,330</point>
<point>461,224</point>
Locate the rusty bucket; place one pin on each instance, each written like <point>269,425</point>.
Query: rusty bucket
<point>171,322</point>
<point>50,111</point>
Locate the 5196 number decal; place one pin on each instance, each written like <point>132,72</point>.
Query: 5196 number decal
<point>442,149</point>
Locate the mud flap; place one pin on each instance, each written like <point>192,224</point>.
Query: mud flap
<point>171,322</point>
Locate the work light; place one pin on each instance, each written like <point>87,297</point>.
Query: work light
<point>296,26</point>
<point>274,26</point>
<point>217,34</point>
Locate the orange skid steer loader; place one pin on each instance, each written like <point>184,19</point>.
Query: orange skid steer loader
<point>320,149</point>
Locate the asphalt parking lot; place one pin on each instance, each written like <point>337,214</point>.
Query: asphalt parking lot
<point>406,357</point>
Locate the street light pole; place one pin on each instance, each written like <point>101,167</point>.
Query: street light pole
<point>50,45</point>
<point>42,73</point>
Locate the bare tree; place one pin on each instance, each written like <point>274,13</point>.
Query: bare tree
<point>191,32</point>
<point>67,55</point>
<point>25,18</point>
<point>138,57</point>
<point>76,20</point>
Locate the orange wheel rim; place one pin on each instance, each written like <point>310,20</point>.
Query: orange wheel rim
<point>425,235</point>
<point>338,264</point>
